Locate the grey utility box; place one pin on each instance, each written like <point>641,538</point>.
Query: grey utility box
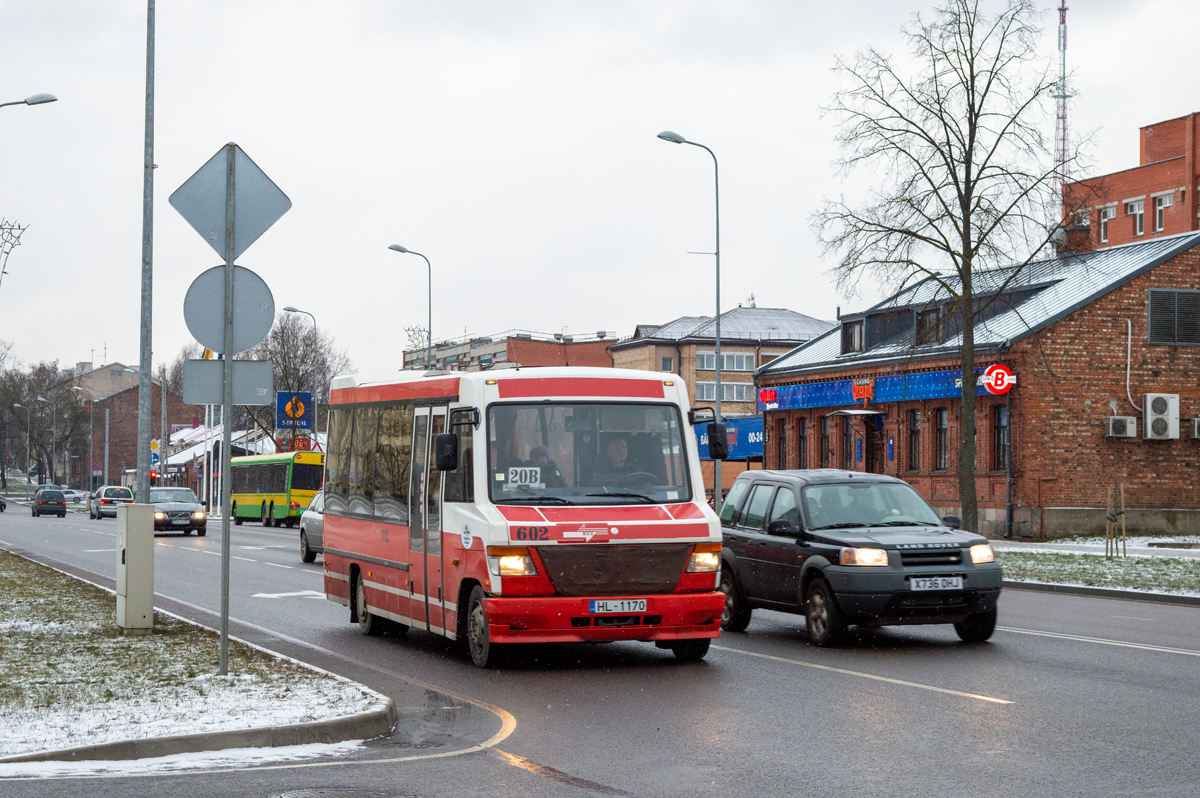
<point>135,568</point>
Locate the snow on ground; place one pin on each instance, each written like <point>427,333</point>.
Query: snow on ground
<point>193,763</point>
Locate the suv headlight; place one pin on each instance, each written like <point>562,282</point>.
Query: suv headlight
<point>982,552</point>
<point>864,557</point>
<point>706,559</point>
<point>510,561</point>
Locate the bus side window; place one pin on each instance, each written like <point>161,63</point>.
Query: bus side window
<point>460,483</point>
<point>337,460</point>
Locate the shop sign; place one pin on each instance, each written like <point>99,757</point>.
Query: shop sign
<point>863,389</point>
<point>892,388</point>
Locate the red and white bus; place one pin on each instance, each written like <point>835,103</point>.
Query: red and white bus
<point>521,506</point>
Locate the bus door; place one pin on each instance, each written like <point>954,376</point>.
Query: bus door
<point>425,518</point>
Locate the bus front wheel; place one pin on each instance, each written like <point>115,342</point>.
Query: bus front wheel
<point>369,624</point>
<point>484,653</point>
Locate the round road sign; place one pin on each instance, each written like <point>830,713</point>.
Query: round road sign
<point>253,309</point>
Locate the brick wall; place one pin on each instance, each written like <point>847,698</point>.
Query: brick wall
<point>123,423</point>
<point>528,352</point>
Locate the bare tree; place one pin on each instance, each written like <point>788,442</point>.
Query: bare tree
<point>963,175</point>
<point>304,359</point>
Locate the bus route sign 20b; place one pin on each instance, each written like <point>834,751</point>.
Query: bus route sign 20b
<point>293,410</point>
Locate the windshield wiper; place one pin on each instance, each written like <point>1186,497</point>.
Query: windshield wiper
<point>843,525</point>
<point>905,523</point>
<point>536,500</point>
<point>644,498</point>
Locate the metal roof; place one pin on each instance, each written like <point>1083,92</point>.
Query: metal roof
<point>741,323</point>
<point>1061,286</point>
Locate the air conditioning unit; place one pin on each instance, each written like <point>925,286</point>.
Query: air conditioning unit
<point>1120,427</point>
<point>1160,414</point>
<point>1196,429</point>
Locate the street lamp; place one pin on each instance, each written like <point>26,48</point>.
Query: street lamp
<point>91,435</point>
<point>53,441</point>
<point>675,138</point>
<point>429,331</point>
<point>26,409</point>
<point>316,405</point>
<point>36,99</point>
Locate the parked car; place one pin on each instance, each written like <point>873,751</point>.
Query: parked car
<point>73,495</point>
<point>844,548</point>
<point>105,500</point>
<point>49,502</point>
<point>312,528</point>
<point>178,509</point>
<point>3,504</point>
<point>46,486</point>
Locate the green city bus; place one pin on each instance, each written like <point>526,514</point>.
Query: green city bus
<point>275,488</point>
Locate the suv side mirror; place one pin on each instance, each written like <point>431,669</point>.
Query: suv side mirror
<point>781,527</point>
<point>952,521</point>
<point>445,447</point>
<point>718,444</point>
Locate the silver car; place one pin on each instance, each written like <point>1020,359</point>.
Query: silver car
<point>312,528</point>
<point>105,500</point>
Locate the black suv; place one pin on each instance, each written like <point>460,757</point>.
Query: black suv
<point>843,547</point>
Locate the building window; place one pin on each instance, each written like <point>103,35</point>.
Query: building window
<point>730,392</point>
<point>941,452</point>
<point>781,442</point>
<point>1105,215</point>
<point>1160,206</point>
<point>802,443</point>
<point>929,326</point>
<point>826,454</point>
<point>914,440</point>
<point>1137,211</point>
<point>668,364</point>
<point>1000,438</point>
<point>730,361</point>
<point>852,337</point>
<point>1174,317</point>
<point>847,444</point>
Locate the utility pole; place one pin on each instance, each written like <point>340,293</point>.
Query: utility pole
<point>147,316</point>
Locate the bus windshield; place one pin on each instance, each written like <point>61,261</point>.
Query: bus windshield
<point>586,453</point>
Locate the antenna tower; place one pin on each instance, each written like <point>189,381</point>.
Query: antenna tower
<point>1061,96</point>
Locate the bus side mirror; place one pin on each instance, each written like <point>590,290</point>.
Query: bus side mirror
<point>445,448</point>
<point>718,444</point>
<point>701,415</point>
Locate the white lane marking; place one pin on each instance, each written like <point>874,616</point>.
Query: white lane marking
<point>213,553</point>
<point>1100,641</point>
<point>93,551</point>
<point>260,548</point>
<point>276,565</point>
<point>1131,618</point>
<point>243,559</point>
<point>862,675</point>
<point>297,594</point>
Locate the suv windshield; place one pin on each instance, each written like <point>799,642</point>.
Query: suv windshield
<point>164,495</point>
<point>586,453</point>
<point>854,504</point>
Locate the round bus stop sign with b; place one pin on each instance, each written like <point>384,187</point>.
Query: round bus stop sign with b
<point>999,379</point>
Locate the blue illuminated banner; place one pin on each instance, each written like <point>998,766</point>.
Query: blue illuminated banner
<point>293,410</point>
<point>745,437</point>
<point>891,388</point>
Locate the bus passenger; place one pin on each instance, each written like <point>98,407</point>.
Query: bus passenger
<point>539,456</point>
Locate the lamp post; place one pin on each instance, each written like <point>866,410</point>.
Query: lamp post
<point>36,99</point>
<point>675,138</point>
<point>316,405</point>
<point>91,435</point>
<point>53,441</point>
<point>429,330</point>
<point>26,409</point>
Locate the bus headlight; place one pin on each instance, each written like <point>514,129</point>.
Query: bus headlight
<point>706,559</point>
<point>510,561</point>
<point>864,557</point>
<point>982,552</point>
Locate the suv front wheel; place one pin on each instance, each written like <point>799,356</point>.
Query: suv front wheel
<point>978,627</point>
<point>736,616</point>
<point>826,624</point>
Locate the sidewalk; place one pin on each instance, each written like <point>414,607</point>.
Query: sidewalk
<point>1135,545</point>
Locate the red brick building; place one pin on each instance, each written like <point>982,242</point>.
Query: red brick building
<point>1153,199</point>
<point>1069,328</point>
<point>516,348</point>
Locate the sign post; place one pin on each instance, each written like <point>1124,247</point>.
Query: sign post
<point>209,201</point>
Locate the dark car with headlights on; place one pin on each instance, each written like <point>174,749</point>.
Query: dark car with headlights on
<point>178,509</point>
<point>843,547</point>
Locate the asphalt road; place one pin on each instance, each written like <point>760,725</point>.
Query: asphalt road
<point>1073,696</point>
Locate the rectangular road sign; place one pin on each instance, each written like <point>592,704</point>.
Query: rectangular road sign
<point>253,382</point>
<point>293,410</point>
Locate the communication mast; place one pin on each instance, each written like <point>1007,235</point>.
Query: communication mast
<point>1060,129</point>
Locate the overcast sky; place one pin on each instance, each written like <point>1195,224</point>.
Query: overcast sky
<point>513,143</point>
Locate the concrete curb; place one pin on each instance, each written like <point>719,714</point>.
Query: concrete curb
<point>363,726</point>
<point>1103,592</point>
